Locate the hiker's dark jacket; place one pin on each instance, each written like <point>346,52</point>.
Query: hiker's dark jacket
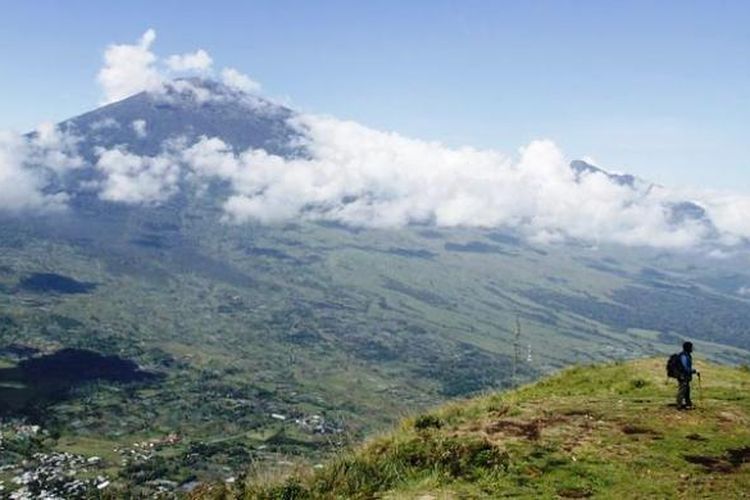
<point>686,359</point>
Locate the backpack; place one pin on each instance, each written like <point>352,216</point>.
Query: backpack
<point>674,366</point>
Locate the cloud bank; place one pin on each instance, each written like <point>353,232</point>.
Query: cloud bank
<point>363,177</point>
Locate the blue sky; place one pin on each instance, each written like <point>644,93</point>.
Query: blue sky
<point>659,89</point>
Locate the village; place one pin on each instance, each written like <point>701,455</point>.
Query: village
<point>30,467</point>
<point>27,472</point>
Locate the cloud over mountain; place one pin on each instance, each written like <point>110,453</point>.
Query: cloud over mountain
<point>197,61</point>
<point>132,68</point>
<point>129,69</point>
<point>310,167</point>
<point>233,78</point>
<point>363,177</point>
<point>28,165</point>
<point>130,178</point>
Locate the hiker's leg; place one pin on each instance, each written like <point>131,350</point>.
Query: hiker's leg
<point>682,396</point>
<point>688,401</point>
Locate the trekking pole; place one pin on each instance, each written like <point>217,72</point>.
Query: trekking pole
<point>700,388</point>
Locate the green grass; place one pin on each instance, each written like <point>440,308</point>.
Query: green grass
<point>604,431</point>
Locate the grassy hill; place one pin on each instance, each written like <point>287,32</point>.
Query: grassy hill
<point>605,431</point>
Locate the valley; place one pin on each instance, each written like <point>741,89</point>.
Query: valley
<point>160,345</point>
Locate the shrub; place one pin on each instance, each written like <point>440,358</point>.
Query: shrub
<point>455,456</point>
<point>292,489</point>
<point>428,422</point>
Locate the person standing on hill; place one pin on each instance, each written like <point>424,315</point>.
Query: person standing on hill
<point>685,376</point>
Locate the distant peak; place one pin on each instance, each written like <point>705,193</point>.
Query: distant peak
<point>189,92</point>
<point>581,167</point>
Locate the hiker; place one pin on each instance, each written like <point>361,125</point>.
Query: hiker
<point>684,376</point>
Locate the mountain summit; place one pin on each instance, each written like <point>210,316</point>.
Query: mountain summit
<point>188,109</point>
<point>580,167</point>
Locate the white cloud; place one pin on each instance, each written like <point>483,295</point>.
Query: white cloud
<point>53,149</point>
<point>130,178</point>
<point>730,213</point>
<point>744,291</point>
<point>28,165</point>
<point>197,61</point>
<point>364,177</point>
<point>20,187</point>
<point>139,127</point>
<point>103,124</point>
<point>239,81</point>
<point>129,69</point>
<point>132,68</point>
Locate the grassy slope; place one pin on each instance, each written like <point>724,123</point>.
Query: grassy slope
<point>604,431</point>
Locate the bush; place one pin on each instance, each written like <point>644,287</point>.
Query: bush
<point>458,457</point>
<point>291,489</point>
<point>428,422</point>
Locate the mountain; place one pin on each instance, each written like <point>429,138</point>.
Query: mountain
<point>188,108</point>
<point>581,167</point>
<point>590,431</point>
<point>236,343</point>
<point>680,212</point>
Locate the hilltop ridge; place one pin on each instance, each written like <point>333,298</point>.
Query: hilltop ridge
<point>589,431</point>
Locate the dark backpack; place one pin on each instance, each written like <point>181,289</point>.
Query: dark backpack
<point>674,366</point>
